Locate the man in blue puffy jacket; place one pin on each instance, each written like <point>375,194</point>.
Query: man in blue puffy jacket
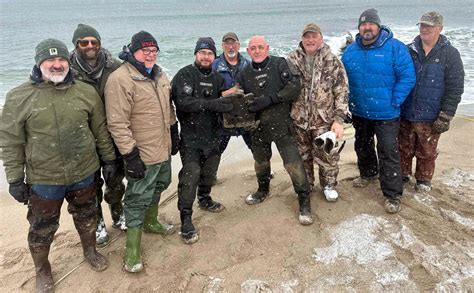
<point>381,75</point>
<point>431,105</point>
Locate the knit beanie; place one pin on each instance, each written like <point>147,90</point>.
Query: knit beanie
<point>370,15</point>
<point>142,39</point>
<point>205,43</point>
<point>83,31</point>
<point>50,48</point>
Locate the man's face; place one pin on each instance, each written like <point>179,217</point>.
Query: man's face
<point>230,48</point>
<point>147,56</point>
<point>311,42</point>
<point>88,48</point>
<point>369,31</point>
<point>204,58</point>
<point>258,49</point>
<point>429,33</point>
<point>54,69</point>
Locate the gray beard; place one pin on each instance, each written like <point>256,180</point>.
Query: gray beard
<point>48,76</point>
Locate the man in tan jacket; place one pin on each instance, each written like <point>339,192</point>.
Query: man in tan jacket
<point>141,120</point>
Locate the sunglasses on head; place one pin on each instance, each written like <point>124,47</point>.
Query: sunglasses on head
<point>85,43</point>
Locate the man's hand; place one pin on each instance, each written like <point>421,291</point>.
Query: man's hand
<point>441,124</point>
<point>19,191</point>
<point>260,103</point>
<point>220,105</point>
<point>174,139</point>
<point>109,170</point>
<point>232,90</point>
<point>134,166</point>
<point>338,129</point>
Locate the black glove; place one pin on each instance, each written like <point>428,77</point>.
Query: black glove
<point>109,170</point>
<point>19,190</point>
<point>174,139</point>
<point>134,166</point>
<point>260,103</point>
<point>441,124</point>
<point>221,105</point>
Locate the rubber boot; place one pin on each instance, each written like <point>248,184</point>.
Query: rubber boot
<point>44,277</point>
<point>132,260</point>
<point>152,225</point>
<point>97,261</point>
<point>205,202</point>
<point>305,216</point>
<point>189,234</point>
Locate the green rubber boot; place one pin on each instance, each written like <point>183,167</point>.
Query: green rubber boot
<point>132,260</point>
<point>152,225</point>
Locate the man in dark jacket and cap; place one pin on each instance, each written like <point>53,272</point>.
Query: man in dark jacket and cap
<point>93,64</point>
<point>432,104</point>
<point>197,91</point>
<point>52,135</point>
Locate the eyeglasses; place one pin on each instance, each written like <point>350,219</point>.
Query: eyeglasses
<point>85,43</point>
<point>147,51</point>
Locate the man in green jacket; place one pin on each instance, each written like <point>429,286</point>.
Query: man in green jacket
<point>53,129</point>
<point>93,64</point>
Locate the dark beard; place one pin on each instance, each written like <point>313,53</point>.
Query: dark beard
<point>86,55</point>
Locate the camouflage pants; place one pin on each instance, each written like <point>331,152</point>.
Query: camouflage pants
<point>418,140</point>
<point>327,163</point>
<point>43,215</point>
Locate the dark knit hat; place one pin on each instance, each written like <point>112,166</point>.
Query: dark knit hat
<point>370,15</point>
<point>142,39</point>
<point>83,31</point>
<point>50,48</point>
<point>205,43</point>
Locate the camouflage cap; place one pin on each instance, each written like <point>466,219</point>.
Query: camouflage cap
<point>431,18</point>
<point>311,27</point>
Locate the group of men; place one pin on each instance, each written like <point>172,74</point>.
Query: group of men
<point>84,111</point>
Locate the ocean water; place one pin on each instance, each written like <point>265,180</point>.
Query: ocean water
<point>177,25</point>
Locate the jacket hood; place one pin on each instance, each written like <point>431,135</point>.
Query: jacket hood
<point>384,35</point>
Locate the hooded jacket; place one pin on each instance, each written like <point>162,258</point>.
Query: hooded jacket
<point>140,112</point>
<point>380,75</point>
<point>323,97</point>
<point>55,132</point>
<point>439,82</point>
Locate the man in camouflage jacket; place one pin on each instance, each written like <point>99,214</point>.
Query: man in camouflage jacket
<point>321,106</point>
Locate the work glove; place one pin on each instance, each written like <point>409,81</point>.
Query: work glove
<point>134,166</point>
<point>260,103</point>
<point>19,190</point>
<point>441,124</point>
<point>174,139</point>
<point>220,105</point>
<point>109,170</point>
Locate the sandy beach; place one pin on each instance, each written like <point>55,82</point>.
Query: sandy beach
<point>352,246</point>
